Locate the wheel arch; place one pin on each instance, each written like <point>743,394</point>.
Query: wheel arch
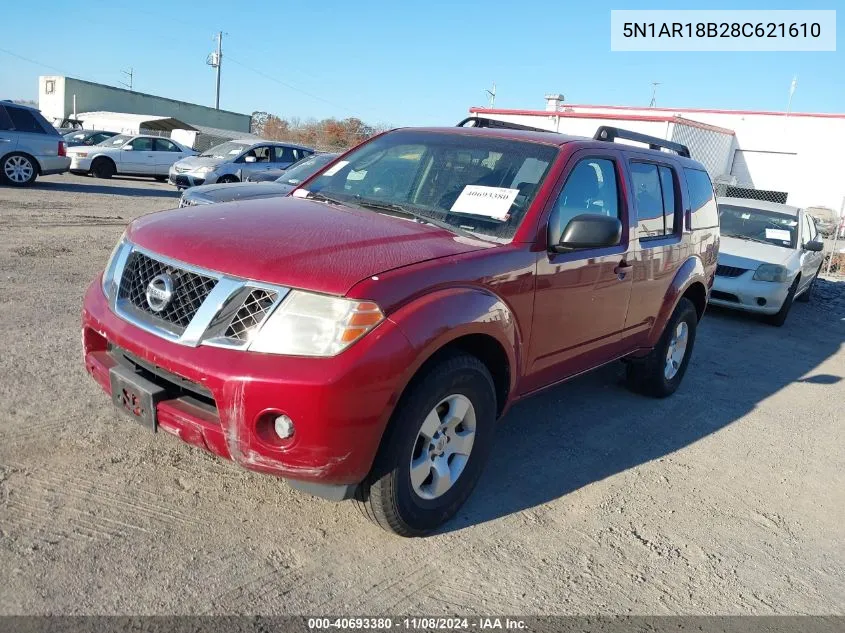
<point>690,282</point>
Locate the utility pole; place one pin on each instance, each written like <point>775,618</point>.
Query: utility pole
<point>654,85</point>
<point>130,75</point>
<point>215,60</point>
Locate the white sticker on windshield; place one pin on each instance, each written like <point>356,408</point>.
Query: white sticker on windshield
<point>778,234</point>
<point>746,216</point>
<point>491,202</point>
<point>300,193</point>
<point>331,171</point>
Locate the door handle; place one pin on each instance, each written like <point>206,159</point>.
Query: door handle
<point>623,269</point>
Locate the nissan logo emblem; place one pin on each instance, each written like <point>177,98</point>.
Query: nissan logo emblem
<point>159,292</point>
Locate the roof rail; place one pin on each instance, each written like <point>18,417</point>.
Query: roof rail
<point>607,133</point>
<point>494,123</point>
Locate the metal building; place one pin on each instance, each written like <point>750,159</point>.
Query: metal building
<point>61,97</point>
<point>777,156</point>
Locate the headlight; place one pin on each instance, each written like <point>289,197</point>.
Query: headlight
<point>109,281</point>
<point>307,324</point>
<point>204,170</point>
<point>771,272</point>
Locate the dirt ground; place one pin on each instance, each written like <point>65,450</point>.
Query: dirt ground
<point>728,498</point>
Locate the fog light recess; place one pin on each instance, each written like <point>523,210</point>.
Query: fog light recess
<point>283,426</point>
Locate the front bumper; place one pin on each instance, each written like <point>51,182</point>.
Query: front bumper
<point>184,180</point>
<point>340,406</point>
<point>80,164</point>
<point>744,293</point>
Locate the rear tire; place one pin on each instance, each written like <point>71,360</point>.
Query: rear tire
<point>160,178</point>
<point>421,476</point>
<point>660,373</point>
<point>779,318</point>
<point>103,168</point>
<point>18,170</point>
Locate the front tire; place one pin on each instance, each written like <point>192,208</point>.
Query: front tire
<point>779,318</point>
<point>103,168</point>
<point>660,373</point>
<point>227,178</point>
<point>160,178</point>
<point>434,448</point>
<point>18,170</point>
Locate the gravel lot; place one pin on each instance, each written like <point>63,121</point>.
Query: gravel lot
<point>728,498</point>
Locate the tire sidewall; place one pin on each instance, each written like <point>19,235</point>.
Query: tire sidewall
<point>422,515</point>
<point>103,168</point>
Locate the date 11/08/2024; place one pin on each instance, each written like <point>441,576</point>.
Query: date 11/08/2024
<point>418,623</point>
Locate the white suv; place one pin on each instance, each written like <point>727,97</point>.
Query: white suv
<point>29,146</point>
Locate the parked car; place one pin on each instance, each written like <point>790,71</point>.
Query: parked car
<point>362,336</point>
<point>281,186</point>
<point>29,146</point>
<point>234,161</point>
<point>770,255</point>
<point>129,154</point>
<point>87,137</point>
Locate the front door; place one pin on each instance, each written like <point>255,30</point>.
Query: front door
<point>166,153</point>
<point>581,297</point>
<point>140,159</point>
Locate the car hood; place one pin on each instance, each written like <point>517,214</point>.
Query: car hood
<point>194,162</point>
<point>294,242</point>
<point>226,192</point>
<point>747,254</point>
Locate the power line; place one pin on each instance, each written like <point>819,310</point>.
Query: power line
<point>289,86</point>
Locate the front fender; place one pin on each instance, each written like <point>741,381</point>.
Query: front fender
<point>691,271</point>
<point>436,319</point>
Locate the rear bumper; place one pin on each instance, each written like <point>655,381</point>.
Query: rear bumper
<point>340,406</point>
<point>80,164</point>
<point>744,293</point>
<point>53,164</point>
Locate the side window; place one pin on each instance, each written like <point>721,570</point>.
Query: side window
<point>163,145</point>
<point>667,184</point>
<point>24,121</point>
<point>284,155</point>
<point>142,144</point>
<point>99,138</point>
<point>5,121</point>
<point>648,199</point>
<point>814,233</point>
<point>702,200</point>
<point>590,188</point>
<point>262,153</point>
<point>807,231</point>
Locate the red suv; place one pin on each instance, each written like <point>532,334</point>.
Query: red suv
<point>362,337</point>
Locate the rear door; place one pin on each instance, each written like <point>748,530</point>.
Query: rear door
<point>166,153</point>
<point>284,157</point>
<point>657,249</point>
<point>581,297</point>
<point>141,159</point>
<point>8,138</point>
<point>810,261</point>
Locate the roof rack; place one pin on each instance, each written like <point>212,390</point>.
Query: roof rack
<point>478,121</point>
<point>607,133</point>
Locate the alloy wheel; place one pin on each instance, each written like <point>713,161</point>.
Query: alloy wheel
<point>677,350</point>
<point>18,169</point>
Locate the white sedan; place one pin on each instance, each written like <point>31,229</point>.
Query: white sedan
<point>135,155</point>
<point>769,255</point>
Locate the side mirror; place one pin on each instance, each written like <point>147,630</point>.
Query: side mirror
<point>815,246</point>
<point>589,230</point>
<point>250,159</point>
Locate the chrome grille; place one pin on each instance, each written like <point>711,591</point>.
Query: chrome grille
<point>181,170</point>
<point>183,202</point>
<point>729,271</point>
<point>253,311</point>
<point>189,289</point>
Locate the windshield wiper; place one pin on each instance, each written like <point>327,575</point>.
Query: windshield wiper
<point>391,208</point>
<point>321,197</point>
<point>746,237</point>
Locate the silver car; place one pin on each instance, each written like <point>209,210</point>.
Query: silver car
<point>769,255</point>
<point>234,161</point>
<point>29,146</point>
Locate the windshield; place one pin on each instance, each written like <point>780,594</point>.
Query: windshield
<point>225,151</point>
<point>116,141</point>
<point>75,136</point>
<point>305,168</point>
<point>769,227</point>
<point>476,184</point>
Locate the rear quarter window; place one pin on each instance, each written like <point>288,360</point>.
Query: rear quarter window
<point>25,121</point>
<point>704,213</point>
